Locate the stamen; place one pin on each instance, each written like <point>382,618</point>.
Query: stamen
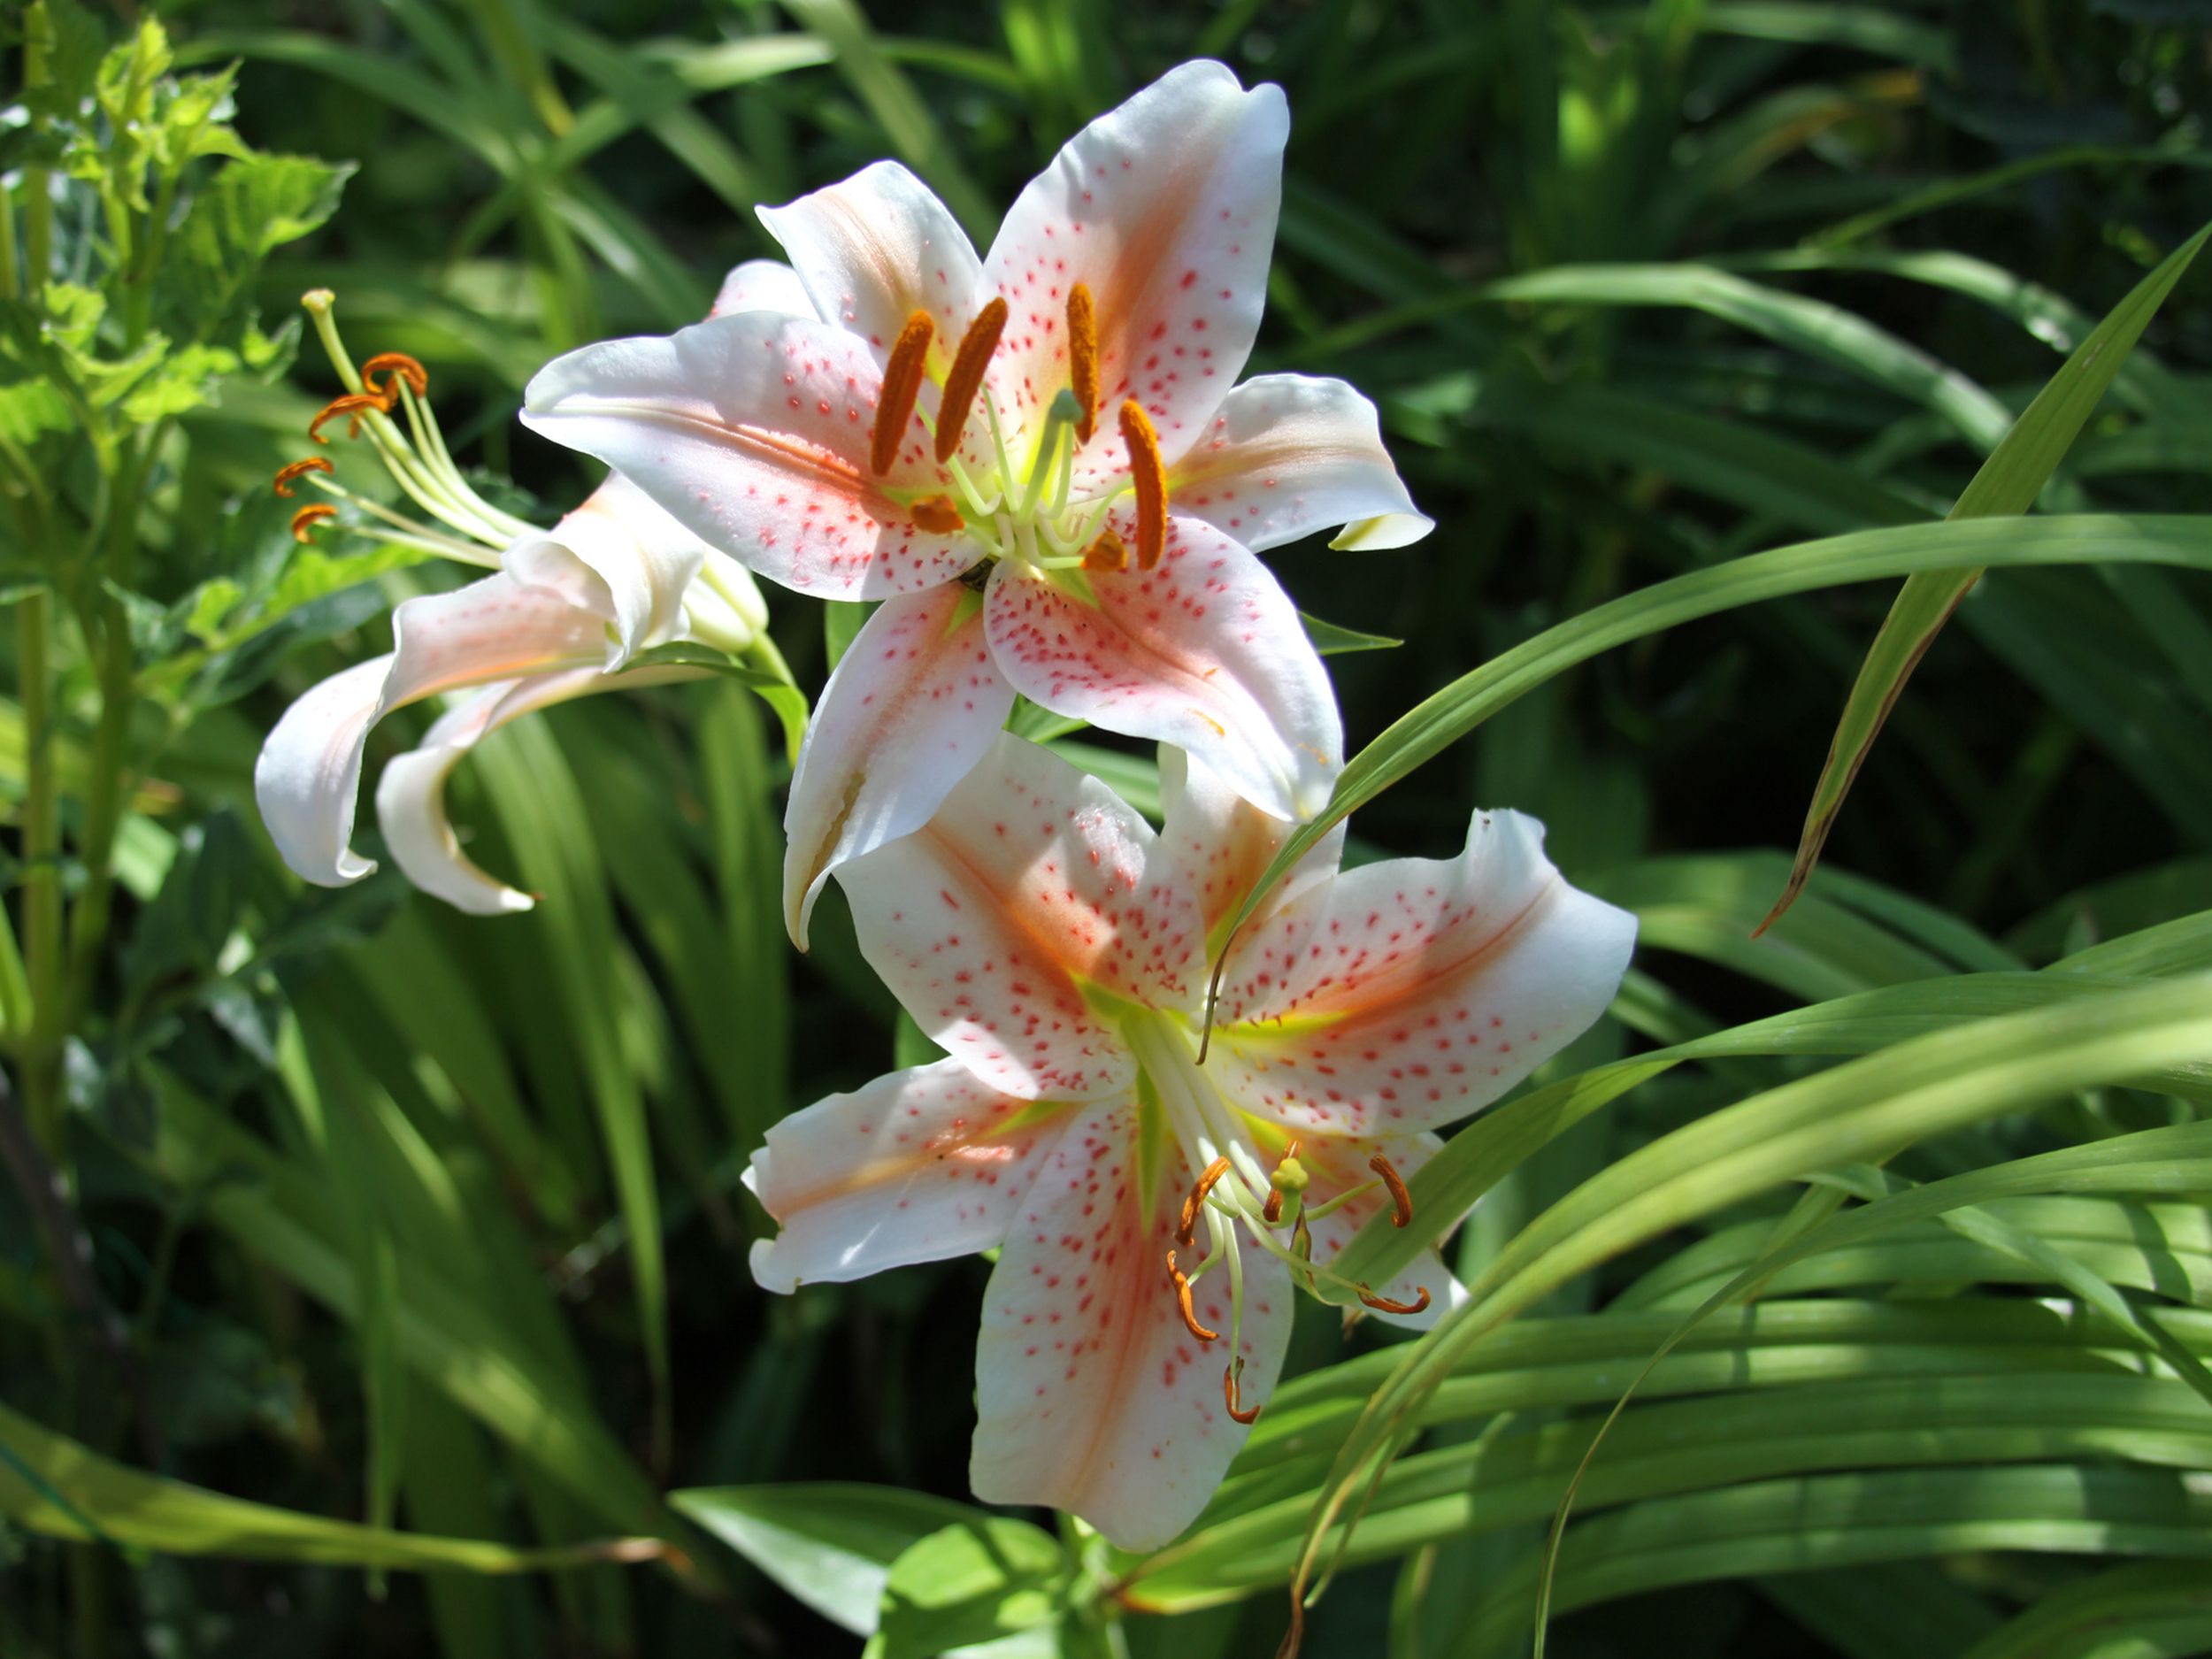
<point>298,469</point>
<point>1083,358</point>
<point>1401,1200</point>
<point>1384,1304</point>
<point>901,386</point>
<point>1289,1176</point>
<point>966,378</point>
<point>1192,1204</point>
<point>1107,553</point>
<point>1229,1373</point>
<point>395,367</point>
<point>1148,477</point>
<point>938,514</point>
<point>354,404</point>
<point>306,519</point>
<point>1183,1303</point>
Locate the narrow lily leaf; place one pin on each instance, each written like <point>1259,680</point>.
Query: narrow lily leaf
<point>52,1484</point>
<point>2007,484</point>
<point>1332,640</point>
<point>831,1545</point>
<point>977,1580</point>
<point>1440,720</point>
<point>785,699</point>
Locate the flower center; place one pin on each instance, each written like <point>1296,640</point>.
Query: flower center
<point>1237,1200</point>
<point>1027,512</point>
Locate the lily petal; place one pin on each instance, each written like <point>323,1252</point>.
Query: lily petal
<point>915,702</point>
<point>920,1165</point>
<point>410,795</point>
<point>1204,652</point>
<point>1287,455</point>
<point>1165,209</point>
<point>763,285</point>
<point>1339,1164</point>
<point>308,771</point>
<point>1032,884</point>
<point>1408,993</point>
<point>878,247</point>
<point>1090,1395</point>
<point>621,555</point>
<point>752,431</point>
<point>1222,842</point>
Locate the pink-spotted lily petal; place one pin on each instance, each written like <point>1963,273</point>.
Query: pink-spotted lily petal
<point>621,557</point>
<point>913,705</point>
<point>410,795</point>
<point>1204,652</point>
<point>309,769</point>
<point>1339,1164</point>
<point>1408,993</point>
<point>762,285</point>
<point>1165,209</point>
<point>1222,842</point>
<point>1286,455</point>
<point>877,248</point>
<point>752,430</point>
<point>1090,1395</point>
<point>1032,882</point>
<point>918,1166</point>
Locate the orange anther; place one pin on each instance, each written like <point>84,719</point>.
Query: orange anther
<point>1383,1304</point>
<point>395,366</point>
<point>1183,1303</point>
<point>296,469</point>
<point>938,515</point>
<point>1271,1211</point>
<point>306,519</point>
<point>1107,553</point>
<point>1215,1170</point>
<point>1083,358</point>
<point>1149,478</point>
<point>966,378</point>
<point>1401,1200</point>
<point>901,385</point>
<point>1229,1394</point>
<point>354,404</point>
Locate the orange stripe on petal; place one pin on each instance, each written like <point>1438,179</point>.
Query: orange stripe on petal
<point>902,387</point>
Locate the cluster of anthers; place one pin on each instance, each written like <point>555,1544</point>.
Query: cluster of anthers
<point>415,456</point>
<point>1222,1206</point>
<point>1036,519</point>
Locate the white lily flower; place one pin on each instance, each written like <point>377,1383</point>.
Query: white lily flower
<point>1039,460</point>
<point>566,611</point>
<point>565,614</point>
<point>1038,930</point>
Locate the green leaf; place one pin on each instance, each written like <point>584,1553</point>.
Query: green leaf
<point>1446,716</point>
<point>2007,484</point>
<point>52,1485</point>
<point>1332,640</point>
<point>975,1580</point>
<point>778,694</point>
<point>830,1545</point>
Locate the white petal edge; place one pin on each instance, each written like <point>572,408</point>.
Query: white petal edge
<point>1286,455</point>
<point>913,705</point>
<point>873,248</point>
<point>762,285</point>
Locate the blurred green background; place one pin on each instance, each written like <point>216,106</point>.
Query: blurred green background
<point>405,1207</point>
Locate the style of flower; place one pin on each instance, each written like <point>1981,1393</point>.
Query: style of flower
<point>1038,460</point>
<point>562,613</point>
<point>1057,948</point>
